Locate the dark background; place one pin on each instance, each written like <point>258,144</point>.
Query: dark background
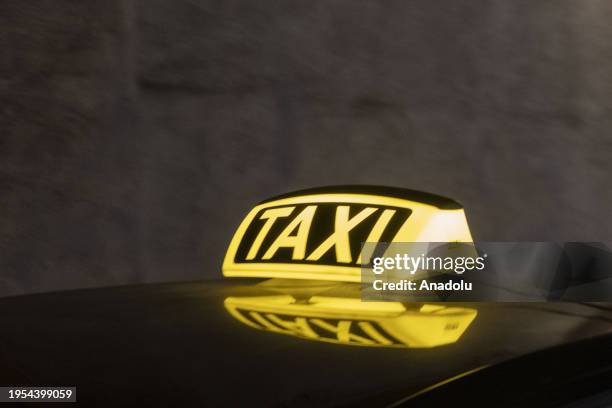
<point>135,135</point>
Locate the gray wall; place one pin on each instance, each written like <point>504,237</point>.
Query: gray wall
<point>134,136</point>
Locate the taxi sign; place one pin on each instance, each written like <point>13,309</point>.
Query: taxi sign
<point>319,233</point>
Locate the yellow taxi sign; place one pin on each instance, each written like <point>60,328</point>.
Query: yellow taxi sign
<point>318,233</point>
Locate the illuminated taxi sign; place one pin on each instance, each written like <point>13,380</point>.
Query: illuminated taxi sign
<point>318,233</point>
<point>349,321</point>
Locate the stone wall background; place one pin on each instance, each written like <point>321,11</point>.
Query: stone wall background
<point>135,135</point>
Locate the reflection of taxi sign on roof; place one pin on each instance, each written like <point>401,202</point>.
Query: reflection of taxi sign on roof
<point>351,322</point>
<point>318,233</point>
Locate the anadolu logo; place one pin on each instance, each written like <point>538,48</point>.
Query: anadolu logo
<point>319,233</point>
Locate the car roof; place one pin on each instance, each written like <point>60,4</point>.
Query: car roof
<point>177,343</point>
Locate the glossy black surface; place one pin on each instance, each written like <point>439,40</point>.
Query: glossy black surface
<point>175,344</point>
<point>572,375</point>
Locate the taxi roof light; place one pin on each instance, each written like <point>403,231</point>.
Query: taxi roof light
<point>318,233</point>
